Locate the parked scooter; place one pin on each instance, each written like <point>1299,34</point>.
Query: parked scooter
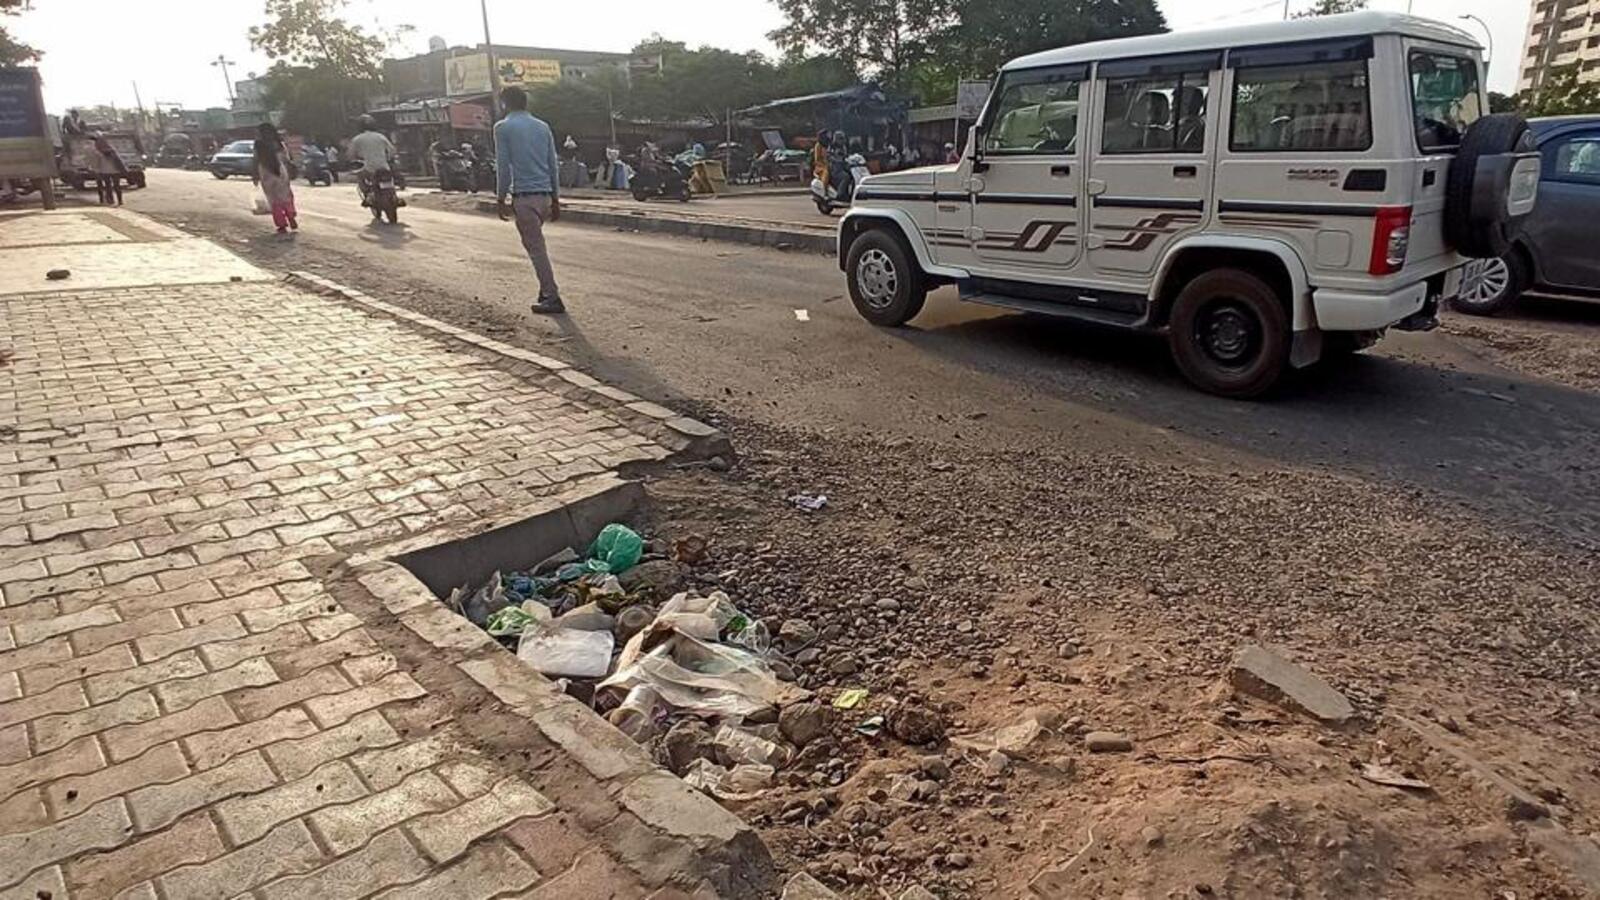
<point>841,192</point>
<point>658,176</point>
<point>314,166</point>
<point>380,194</point>
<point>483,172</point>
<point>455,171</point>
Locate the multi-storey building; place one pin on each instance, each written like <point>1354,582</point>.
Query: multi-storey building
<point>1561,33</point>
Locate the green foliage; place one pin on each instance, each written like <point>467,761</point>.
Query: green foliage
<point>12,51</point>
<point>1502,103</point>
<point>1562,94</point>
<point>1331,8</point>
<point>885,38</point>
<point>316,101</point>
<point>571,106</point>
<point>924,48</point>
<point>311,33</point>
<point>708,82</point>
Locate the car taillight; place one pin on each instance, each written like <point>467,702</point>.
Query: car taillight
<point>1391,238</point>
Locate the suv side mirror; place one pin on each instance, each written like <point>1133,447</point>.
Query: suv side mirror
<point>975,147</point>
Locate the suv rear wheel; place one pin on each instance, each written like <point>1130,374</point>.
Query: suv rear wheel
<point>1490,286</point>
<point>1229,333</point>
<point>886,283</point>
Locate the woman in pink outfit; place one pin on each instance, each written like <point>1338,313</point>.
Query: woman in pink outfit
<point>272,173</point>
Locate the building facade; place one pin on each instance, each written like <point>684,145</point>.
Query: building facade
<point>1561,33</point>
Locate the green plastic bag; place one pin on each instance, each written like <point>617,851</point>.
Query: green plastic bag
<point>616,550</point>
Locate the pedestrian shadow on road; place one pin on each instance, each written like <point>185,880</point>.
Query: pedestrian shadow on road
<point>386,235</point>
<point>1496,439</point>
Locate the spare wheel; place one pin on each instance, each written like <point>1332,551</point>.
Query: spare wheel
<point>1492,185</point>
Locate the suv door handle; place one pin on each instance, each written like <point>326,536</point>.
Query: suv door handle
<point>1184,171</point>
<point>1060,171</point>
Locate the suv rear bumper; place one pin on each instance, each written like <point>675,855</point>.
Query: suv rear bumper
<point>1361,311</point>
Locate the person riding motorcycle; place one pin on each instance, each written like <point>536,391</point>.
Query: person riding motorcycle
<point>374,151</point>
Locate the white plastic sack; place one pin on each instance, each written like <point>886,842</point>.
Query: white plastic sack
<point>567,651</point>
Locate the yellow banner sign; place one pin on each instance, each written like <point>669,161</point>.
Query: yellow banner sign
<point>526,73</point>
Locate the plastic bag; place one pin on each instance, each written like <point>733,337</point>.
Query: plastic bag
<point>517,619</point>
<point>736,746</point>
<point>617,549</point>
<point>743,782</point>
<point>564,651</point>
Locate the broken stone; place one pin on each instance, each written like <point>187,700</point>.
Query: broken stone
<point>661,577</point>
<point>917,892</point>
<point>1262,673</point>
<point>58,274</point>
<point>1525,809</point>
<point>803,723</point>
<point>804,887</point>
<point>1384,775</point>
<point>796,633</point>
<point>934,767</point>
<point>916,724</point>
<point>685,742</point>
<point>1107,742</point>
<point>996,763</point>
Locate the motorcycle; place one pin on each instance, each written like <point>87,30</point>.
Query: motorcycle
<point>483,173</point>
<point>455,171</point>
<point>314,166</point>
<point>657,177</point>
<point>380,194</point>
<point>830,197</point>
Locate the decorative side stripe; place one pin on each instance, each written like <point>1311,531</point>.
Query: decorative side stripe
<point>1297,209</point>
<point>1149,203</point>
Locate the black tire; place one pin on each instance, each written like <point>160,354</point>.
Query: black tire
<point>823,206</point>
<point>684,193</point>
<point>393,213</point>
<point>137,180</point>
<point>1230,334</point>
<point>640,194</point>
<point>1477,222</point>
<point>891,290</point>
<point>1491,286</point>
<point>221,175</point>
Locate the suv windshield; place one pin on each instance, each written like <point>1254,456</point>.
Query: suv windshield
<point>1444,97</point>
<point>240,147</point>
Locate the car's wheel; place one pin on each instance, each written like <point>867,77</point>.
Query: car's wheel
<point>1490,286</point>
<point>823,206</point>
<point>886,285</point>
<point>221,175</point>
<point>1229,333</point>
<point>137,180</point>
<point>1489,189</point>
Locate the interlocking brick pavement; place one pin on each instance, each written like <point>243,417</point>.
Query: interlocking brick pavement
<point>185,708</point>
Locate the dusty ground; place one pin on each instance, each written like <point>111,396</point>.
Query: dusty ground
<point>1546,337</point>
<point>1116,593</point>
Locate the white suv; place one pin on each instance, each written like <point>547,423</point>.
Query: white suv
<point>1263,196</point>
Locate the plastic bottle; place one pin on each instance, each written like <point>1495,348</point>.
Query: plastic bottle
<point>636,717</point>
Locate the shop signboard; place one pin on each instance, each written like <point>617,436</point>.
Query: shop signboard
<point>25,150</point>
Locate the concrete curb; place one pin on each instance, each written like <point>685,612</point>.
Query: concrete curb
<point>689,438</point>
<point>663,829</point>
<point>705,228</point>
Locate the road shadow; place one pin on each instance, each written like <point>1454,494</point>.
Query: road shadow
<point>389,236</point>
<point>1542,308</point>
<point>1526,450</point>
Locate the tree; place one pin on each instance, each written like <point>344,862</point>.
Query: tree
<point>1503,103</point>
<point>311,33</point>
<point>571,106</point>
<point>1331,8</point>
<point>1562,93</point>
<point>884,38</point>
<point>324,67</point>
<point>12,51</point>
<point>709,82</point>
<point>984,35</point>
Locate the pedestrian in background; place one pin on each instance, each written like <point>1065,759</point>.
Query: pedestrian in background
<point>108,170</point>
<point>526,171</point>
<point>272,173</point>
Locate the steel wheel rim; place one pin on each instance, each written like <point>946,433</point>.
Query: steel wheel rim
<point>877,279</point>
<point>1229,335</point>
<point>1484,281</point>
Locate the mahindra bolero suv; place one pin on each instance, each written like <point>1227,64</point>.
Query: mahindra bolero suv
<point>1262,196</point>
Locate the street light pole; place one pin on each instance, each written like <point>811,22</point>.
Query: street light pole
<point>1487,32</point>
<point>494,71</point>
<point>223,63</point>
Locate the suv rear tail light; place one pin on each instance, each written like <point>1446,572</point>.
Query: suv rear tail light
<point>1391,238</point>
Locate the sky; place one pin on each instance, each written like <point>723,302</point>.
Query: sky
<point>166,47</point>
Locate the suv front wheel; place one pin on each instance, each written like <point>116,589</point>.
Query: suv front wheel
<point>886,284</point>
<point>1229,333</point>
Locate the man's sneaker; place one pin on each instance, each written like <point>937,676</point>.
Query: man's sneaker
<point>549,306</point>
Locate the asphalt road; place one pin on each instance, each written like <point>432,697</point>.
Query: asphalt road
<point>716,326</point>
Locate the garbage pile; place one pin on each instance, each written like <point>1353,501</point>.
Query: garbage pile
<point>693,679</point>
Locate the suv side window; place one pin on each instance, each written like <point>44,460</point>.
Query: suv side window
<point>1575,159</point>
<point>1157,113</point>
<point>1445,98</point>
<point>1315,106</point>
<point>1035,112</point>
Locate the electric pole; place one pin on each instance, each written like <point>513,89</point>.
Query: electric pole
<point>223,63</point>
<point>494,70</point>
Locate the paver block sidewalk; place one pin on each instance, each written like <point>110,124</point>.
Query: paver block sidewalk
<point>186,708</point>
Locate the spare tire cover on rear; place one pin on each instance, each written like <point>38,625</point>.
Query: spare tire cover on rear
<point>1478,217</point>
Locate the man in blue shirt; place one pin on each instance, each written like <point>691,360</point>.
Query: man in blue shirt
<point>526,171</point>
